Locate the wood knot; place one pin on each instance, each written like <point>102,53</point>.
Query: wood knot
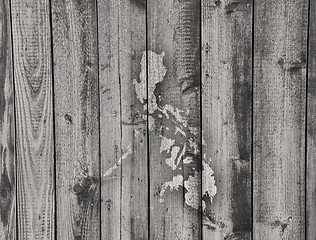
<point>68,118</point>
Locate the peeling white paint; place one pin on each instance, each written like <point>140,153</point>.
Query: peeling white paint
<point>193,144</point>
<point>208,187</point>
<point>192,186</point>
<point>171,161</point>
<point>141,87</point>
<point>188,160</point>
<point>166,144</point>
<point>119,162</point>
<point>151,123</point>
<point>176,112</point>
<point>157,72</point>
<point>177,120</point>
<point>176,182</point>
<point>182,154</point>
<point>179,130</point>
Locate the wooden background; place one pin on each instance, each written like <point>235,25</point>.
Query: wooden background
<point>158,119</point>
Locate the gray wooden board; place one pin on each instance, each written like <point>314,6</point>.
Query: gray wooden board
<point>34,119</point>
<point>76,100</point>
<point>7,146</point>
<point>227,116</point>
<point>174,119</point>
<point>280,49</point>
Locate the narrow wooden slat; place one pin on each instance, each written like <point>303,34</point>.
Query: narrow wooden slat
<point>311,127</point>
<point>132,56</point>
<point>74,27</point>
<point>280,31</point>
<point>110,118</point>
<point>7,146</point>
<point>122,41</point>
<point>226,121</point>
<point>174,119</point>
<point>34,119</point>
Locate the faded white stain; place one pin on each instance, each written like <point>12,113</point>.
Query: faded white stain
<point>166,144</point>
<point>177,181</point>
<point>119,162</point>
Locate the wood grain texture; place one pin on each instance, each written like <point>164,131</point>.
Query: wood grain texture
<point>7,145</point>
<point>132,45</point>
<point>174,119</point>
<point>75,51</point>
<point>227,113</point>
<point>34,119</point>
<point>110,118</point>
<point>311,127</point>
<point>280,41</point>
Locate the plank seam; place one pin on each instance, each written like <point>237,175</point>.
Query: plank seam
<point>54,120</point>
<point>306,117</point>
<point>252,115</point>
<point>201,120</point>
<point>147,127</point>
<point>121,125</point>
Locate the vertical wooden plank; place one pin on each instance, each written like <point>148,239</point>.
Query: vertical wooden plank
<point>74,27</point>
<point>226,120</point>
<point>311,127</point>
<point>122,43</point>
<point>7,145</point>
<point>132,69</point>
<point>34,118</point>
<point>279,119</point>
<point>110,119</point>
<point>174,119</point>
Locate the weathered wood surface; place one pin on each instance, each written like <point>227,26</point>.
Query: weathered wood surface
<point>311,127</point>
<point>7,138</point>
<point>34,119</point>
<point>280,45</point>
<point>157,119</point>
<point>174,119</point>
<point>227,116</point>
<point>76,100</point>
